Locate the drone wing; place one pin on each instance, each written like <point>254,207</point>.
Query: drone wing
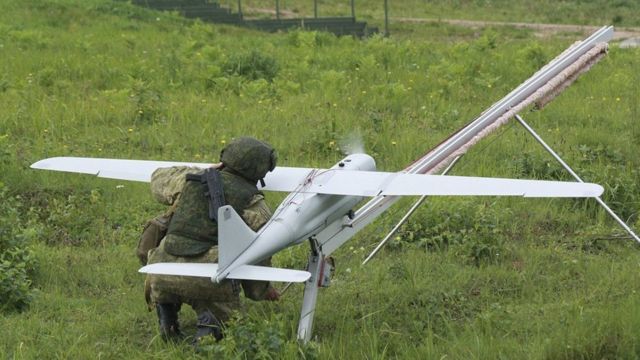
<point>281,179</point>
<point>369,183</point>
<point>133,170</point>
<point>339,182</point>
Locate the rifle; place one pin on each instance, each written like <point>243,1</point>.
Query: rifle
<point>215,191</point>
<point>215,194</point>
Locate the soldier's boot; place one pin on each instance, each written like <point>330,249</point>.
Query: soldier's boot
<point>168,319</point>
<point>207,325</point>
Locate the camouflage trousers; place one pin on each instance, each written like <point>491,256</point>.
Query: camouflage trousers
<point>199,292</point>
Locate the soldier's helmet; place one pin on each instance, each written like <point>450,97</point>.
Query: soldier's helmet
<point>249,157</point>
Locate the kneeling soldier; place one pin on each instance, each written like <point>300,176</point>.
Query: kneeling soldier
<point>192,235</point>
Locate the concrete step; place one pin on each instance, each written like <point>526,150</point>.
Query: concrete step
<point>331,20</point>
<point>371,30</point>
<point>203,11</point>
<point>213,12</point>
<point>173,3</point>
<point>232,19</point>
<point>341,26</point>
<point>191,8</point>
<point>341,20</point>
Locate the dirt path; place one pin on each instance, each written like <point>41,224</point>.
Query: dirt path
<point>542,30</point>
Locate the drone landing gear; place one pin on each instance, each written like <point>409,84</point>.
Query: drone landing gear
<point>320,268</point>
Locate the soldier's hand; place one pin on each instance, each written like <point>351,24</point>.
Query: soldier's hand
<point>272,294</point>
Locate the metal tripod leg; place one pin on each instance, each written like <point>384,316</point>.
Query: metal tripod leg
<point>566,167</point>
<point>406,216</point>
<point>310,298</point>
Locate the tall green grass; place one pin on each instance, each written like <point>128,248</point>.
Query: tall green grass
<point>466,278</point>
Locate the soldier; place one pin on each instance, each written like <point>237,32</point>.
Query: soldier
<point>192,236</point>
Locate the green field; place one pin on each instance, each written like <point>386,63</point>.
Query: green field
<point>465,278</point>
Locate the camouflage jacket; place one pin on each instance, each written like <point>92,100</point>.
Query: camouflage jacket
<point>166,186</point>
<point>167,183</point>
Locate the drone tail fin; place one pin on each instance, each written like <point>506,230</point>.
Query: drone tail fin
<point>234,236</point>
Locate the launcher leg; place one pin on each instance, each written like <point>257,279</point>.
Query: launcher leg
<point>624,225</point>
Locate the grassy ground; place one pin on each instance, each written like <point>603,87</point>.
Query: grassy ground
<point>466,278</point>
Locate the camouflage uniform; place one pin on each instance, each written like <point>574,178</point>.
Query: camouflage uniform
<point>199,292</point>
<point>192,236</point>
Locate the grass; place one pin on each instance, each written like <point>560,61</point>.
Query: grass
<point>466,278</point>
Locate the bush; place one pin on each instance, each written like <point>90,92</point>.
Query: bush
<point>250,338</point>
<point>252,66</point>
<point>17,263</point>
<point>146,99</point>
<point>472,232</point>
